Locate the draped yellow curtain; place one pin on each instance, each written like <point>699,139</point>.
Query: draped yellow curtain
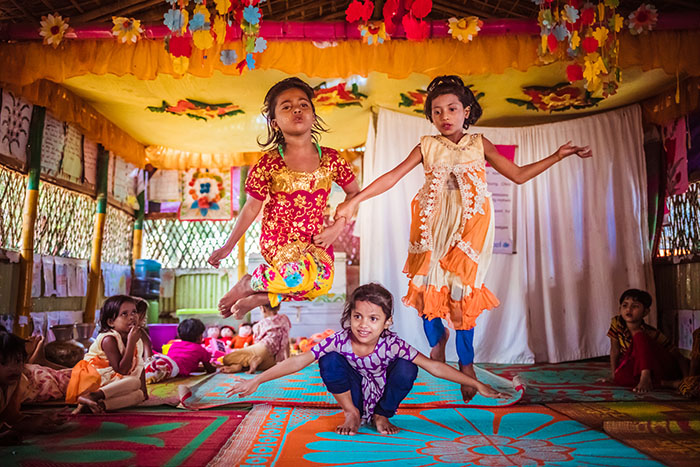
<point>26,62</point>
<point>172,159</point>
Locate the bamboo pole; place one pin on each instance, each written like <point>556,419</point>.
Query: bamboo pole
<point>97,236</point>
<point>241,243</point>
<point>138,226</point>
<point>26,262</point>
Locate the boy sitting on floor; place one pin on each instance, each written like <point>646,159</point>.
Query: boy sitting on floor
<point>271,336</point>
<point>641,357</point>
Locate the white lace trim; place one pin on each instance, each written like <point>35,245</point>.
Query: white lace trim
<point>468,250</point>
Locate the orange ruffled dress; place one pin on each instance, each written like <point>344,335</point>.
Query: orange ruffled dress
<point>452,233</point>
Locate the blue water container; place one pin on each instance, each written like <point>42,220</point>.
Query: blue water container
<point>146,269</point>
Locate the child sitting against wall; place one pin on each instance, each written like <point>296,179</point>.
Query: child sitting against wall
<point>184,354</point>
<point>271,336</point>
<point>21,382</point>
<point>641,357</point>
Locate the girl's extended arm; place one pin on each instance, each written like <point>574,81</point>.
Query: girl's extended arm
<point>444,371</point>
<point>121,363</point>
<point>381,184</point>
<point>518,174</point>
<point>287,367</point>
<point>330,233</point>
<point>614,356</point>
<point>250,211</point>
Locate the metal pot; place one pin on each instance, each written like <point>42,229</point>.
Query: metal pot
<point>64,350</point>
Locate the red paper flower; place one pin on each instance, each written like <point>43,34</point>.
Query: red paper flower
<point>552,42</point>
<point>421,8</point>
<point>588,16</point>
<point>589,44</point>
<point>357,11</point>
<point>180,46</point>
<point>416,30</point>
<point>574,72</point>
<point>390,10</point>
<point>575,3</point>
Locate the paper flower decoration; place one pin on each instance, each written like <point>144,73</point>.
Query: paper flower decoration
<point>175,20</point>
<point>593,68</point>
<point>373,33</point>
<point>179,46</point>
<point>464,29</point>
<point>53,28</point>
<point>421,8</point>
<point>260,45</point>
<point>574,40</point>
<point>643,19</point>
<point>589,44</point>
<point>252,14</point>
<point>250,61</point>
<point>228,57</point>
<point>545,18</point>
<point>574,72</point>
<point>588,16</point>
<point>126,29</point>
<point>223,6</point>
<point>357,11</point>
<point>202,39</point>
<point>219,29</point>
<point>560,32</point>
<point>616,22</point>
<point>601,34</point>
<point>197,22</point>
<point>180,64</point>
<point>570,14</point>
<point>416,30</point>
<point>612,3</point>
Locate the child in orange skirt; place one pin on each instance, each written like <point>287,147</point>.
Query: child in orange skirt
<point>452,224</point>
<point>295,175</point>
<point>111,375</point>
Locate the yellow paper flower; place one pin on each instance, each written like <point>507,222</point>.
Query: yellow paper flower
<point>575,40</point>
<point>617,22</point>
<point>126,29</point>
<point>53,28</point>
<point>593,68</point>
<point>374,33</point>
<point>222,6</point>
<point>203,10</point>
<point>202,39</point>
<point>219,29</point>
<point>464,29</point>
<point>180,64</point>
<point>601,11</point>
<point>601,35</point>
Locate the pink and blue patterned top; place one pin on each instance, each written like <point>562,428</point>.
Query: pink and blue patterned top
<point>371,367</point>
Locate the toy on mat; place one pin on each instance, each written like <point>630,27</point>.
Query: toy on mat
<point>244,337</point>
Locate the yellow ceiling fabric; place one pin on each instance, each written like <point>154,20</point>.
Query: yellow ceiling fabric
<point>173,159</point>
<point>25,62</point>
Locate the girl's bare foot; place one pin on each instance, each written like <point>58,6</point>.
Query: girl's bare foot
<point>244,305</point>
<point>253,364</point>
<point>437,353</point>
<point>351,423</point>
<point>468,392</point>
<point>235,368</point>
<point>384,426</point>
<point>91,402</point>
<point>240,290</point>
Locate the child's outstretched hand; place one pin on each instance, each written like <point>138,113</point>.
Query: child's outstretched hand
<point>218,255</point>
<point>243,388</point>
<point>329,234</point>
<point>568,149</point>
<point>487,391</point>
<point>345,209</point>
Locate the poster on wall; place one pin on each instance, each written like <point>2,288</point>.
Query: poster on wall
<point>90,161</point>
<point>49,283</point>
<point>502,196</point>
<point>121,179</point>
<point>15,118</point>
<point>72,162</point>
<point>52,143</point>
<point>206,195</point>
<point>61,269</point>
<point>164,186</point>
<point>36,277</point>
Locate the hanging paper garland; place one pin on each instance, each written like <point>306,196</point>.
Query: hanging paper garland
<point>413,20</point>
<point>464,29</point>
<point>643,19</point>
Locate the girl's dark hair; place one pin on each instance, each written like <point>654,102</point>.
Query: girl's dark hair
<point>11,347</point>
<point>275,136</point>
<point>190,330</point>
<point>110,309</point>
<point>452,84</point>
<point>638,296</point>
<point>373,293</point>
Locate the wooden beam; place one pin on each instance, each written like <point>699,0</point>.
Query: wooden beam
<point>102,11</point>
<point>25,12</point>
<point>130,9</point>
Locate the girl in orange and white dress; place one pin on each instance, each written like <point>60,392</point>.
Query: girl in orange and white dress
<point>452,220</point>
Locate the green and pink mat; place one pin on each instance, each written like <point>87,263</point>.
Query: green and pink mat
<point>126,438</point>
<point>466,436</point>
<point>306,388</point>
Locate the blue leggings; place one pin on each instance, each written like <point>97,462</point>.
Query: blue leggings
<point>340,377</point>
<point>434,330</point>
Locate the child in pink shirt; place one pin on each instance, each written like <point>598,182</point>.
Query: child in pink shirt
<point>184,355</point>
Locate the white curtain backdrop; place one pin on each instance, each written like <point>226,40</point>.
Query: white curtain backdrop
<point>580,232</point>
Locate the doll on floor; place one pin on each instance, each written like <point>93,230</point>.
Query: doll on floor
<point>244,337</point>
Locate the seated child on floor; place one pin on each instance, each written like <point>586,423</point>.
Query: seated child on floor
<point>368,369</point>
<point>184,354</point>
<point>110,376</point>
<point>271,337</point>
<point>21,382</point>
<point>641,357</point>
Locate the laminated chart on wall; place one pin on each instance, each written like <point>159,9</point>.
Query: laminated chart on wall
<point>72,162</point>
<point>15,119</point>
<point>502,191</point>
<point>90,161</point>
<point>206,195</point>
<point>52,143</point>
